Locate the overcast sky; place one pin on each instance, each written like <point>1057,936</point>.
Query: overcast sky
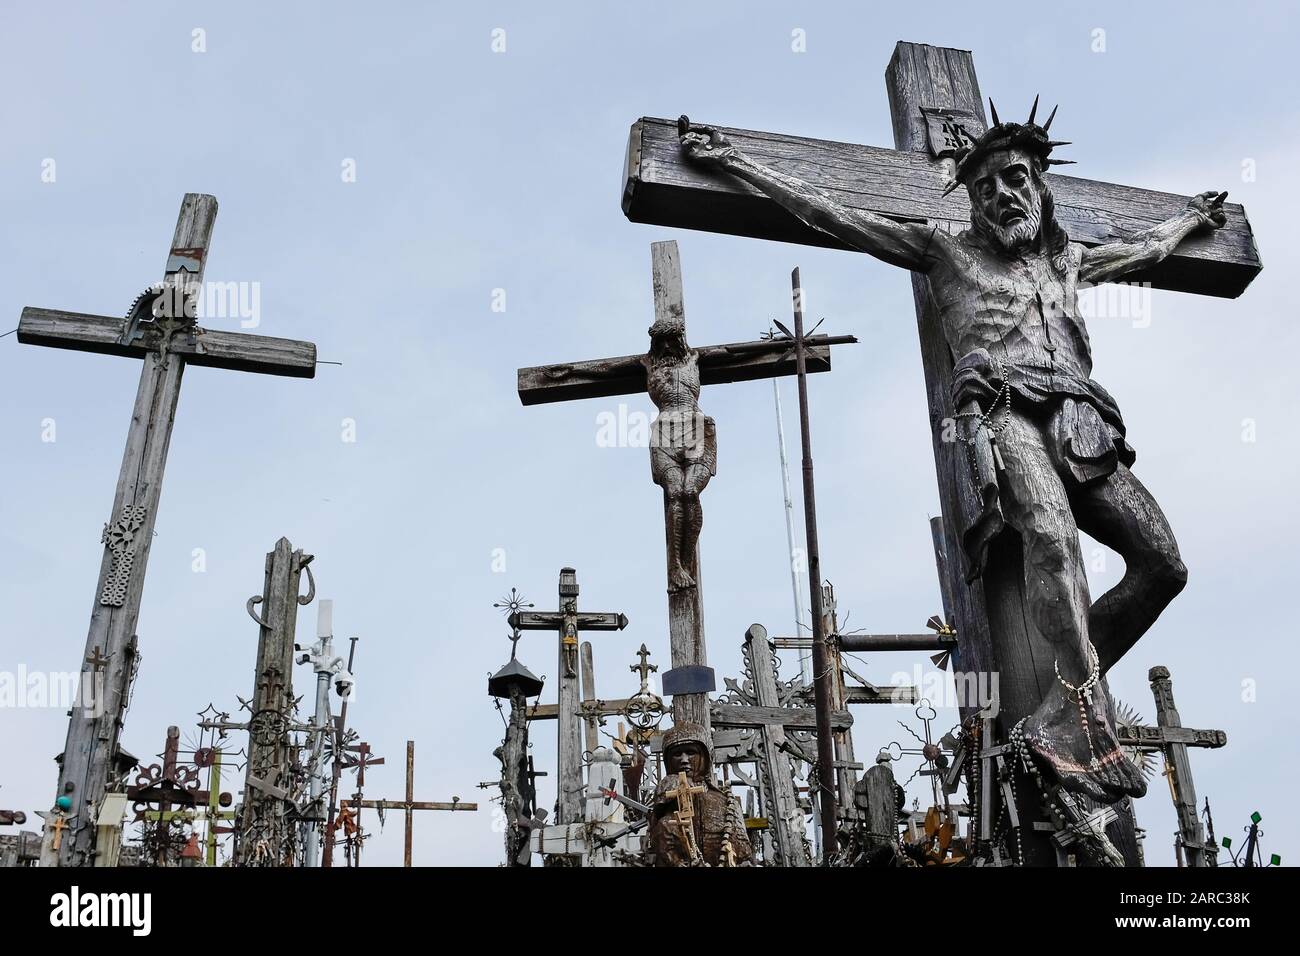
<point>479,171</point>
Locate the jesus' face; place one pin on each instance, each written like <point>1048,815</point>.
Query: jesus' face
<point>1006,198</point>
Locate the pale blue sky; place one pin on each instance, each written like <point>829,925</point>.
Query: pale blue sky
<point>479,170</point>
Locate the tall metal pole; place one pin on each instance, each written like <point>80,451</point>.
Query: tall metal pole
<point>821,669</point>
<point>321,657</point>
<point>340,725</point>
<point>805,654</point>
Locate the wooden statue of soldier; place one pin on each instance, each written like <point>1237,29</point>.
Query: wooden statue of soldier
<point>1047,444</point>
<point>694,822</point>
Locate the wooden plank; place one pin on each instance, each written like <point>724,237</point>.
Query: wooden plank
<point>589,696</point>
<point>413,805</point>
<point>1155,738</point>
<point>663,188</point>
<point>608,708</point>
<point>625,375</point>
<point>792,718</point>
<point>212,348</point>
<point>902,694</point>
<point>877,642</point>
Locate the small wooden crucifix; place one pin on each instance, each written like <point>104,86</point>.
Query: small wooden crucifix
<point>161,330</point>
<point>683,446</point>
<point>684,793</point>
<point>410,804</point>
<point>568,622</point>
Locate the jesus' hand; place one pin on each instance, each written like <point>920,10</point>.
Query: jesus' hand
<point>1209,206</point>
<point>704,144</point>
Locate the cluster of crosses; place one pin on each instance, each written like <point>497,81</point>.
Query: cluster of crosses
<point>290,808</point>
<point>765,732</point>
<point>937,112</point>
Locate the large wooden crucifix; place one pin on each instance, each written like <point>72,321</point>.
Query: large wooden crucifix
<point>683,446</point>
<point>410,804</point>
<point>996,303</point>
<point>161,331</point>
<point>568,622</point>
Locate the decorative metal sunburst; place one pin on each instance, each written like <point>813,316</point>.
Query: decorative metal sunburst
<point>1144,760</point>
<point>511,603</point>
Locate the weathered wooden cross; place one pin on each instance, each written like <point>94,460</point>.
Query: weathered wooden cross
<point>772,751</point>
<point>690,680</point>
<point>213,815</point>
<point>1172,739</point>
<point>267,836</point>
<point>167,339</point>
<point>931,90</point>
<point>568,621</point>
<point>410,804</point>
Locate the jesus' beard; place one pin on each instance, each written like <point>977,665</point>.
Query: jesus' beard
<point>1019,233</point>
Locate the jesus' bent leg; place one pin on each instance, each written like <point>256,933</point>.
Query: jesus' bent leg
<point>1070,731</point>
<point>1121,514</point>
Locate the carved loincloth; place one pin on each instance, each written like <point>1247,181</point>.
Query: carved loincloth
<point>684,436</point>
<point>1080,423</point>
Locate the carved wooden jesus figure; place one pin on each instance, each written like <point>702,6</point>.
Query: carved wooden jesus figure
<point>1047,444</point>
<point>683,442</point>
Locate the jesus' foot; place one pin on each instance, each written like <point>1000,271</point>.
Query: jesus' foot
<point>1087,762</point>
<point>679,579</point>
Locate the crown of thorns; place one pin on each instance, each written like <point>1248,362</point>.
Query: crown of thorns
<point>1028,136</point>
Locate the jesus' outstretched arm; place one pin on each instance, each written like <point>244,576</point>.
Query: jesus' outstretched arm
<point>1115,259</point>
<point>903,244</point>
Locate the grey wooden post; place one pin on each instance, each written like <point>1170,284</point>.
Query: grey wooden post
<point>88,763</point>
<point>780,799</point>
<point>691,679</point>
<point>876,801</point>
<point>266,836</point>
<point>591,720</point>
<point>994,641</point>
<point>846,766</point>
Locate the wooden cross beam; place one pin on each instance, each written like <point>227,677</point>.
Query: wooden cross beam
<point>568,622</point>
<point>166,339</point>
<point>410,804</point>
<point>663,188</point>
<point>589,709</point>
<point>625,375</point>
